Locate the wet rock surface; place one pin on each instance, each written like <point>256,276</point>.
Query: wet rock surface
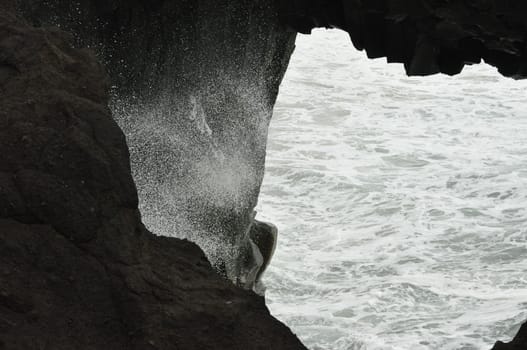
<point>78,270</point>
<point>194,85</point>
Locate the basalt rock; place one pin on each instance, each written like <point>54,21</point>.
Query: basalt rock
<point>194,85</point>
<point>518,343</point>
<point>428,36</point>
<point>78,270</point>
<point>195,82</point>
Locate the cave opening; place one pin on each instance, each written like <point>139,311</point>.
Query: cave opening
<point>428,194</point>
<point>398,201</point>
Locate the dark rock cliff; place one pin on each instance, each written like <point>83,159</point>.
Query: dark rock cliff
<point>194,87</point>
<point>78,270</point>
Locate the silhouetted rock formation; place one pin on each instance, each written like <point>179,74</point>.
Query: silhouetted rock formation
<point>195,85</point>
<point>518,343</point>
<point>428,36</point>
<point>77,268</point>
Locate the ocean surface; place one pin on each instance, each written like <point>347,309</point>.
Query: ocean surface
<point>400,202</point>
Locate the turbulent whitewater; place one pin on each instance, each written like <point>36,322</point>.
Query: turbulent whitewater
<point>400,203</point>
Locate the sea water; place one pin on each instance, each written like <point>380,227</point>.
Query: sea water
<point>401,203</point>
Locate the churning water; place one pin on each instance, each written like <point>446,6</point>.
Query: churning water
<point>401,203</point>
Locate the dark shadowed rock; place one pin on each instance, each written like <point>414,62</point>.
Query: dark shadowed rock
<point>428,36</point>
<point>265,237</point>
<point>78,270</point>
<point>518,343</point>
<point>194,83</point>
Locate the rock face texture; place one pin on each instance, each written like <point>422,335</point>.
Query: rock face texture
<point>194,87</point>
<point>78,270</point>
<point>518,343</point>
<point>428,36</point>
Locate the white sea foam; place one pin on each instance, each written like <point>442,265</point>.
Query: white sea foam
<point>400,203</point>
